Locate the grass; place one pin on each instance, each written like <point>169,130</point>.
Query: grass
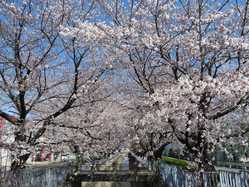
<point>184,164</point>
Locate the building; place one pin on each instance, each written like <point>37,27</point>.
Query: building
<point>6,138</point>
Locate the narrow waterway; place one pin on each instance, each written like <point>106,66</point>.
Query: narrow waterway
<point>120,162</point>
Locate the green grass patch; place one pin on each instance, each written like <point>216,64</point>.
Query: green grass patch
<point>184,164</point>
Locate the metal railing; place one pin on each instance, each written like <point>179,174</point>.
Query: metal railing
<point>222,177</point>
<point>111,168</point>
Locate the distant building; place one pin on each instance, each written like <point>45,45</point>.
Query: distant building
<point>6,137</point>
<point>42,152</point>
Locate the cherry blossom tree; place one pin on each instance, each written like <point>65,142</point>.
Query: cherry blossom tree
<point>179,71</point>
<point>43,72</point>
<point>197,107</point>
<point>190,59</point>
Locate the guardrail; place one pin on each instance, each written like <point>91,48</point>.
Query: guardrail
<point>236,165</point>
<point>100,167</point>
<point>223,177</point>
